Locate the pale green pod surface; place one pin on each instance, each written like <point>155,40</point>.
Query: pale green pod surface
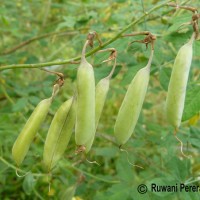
<point>59,134</point>
<point>101,91</point>
<point>132,104</point>
<point>23,141</point>
<point>85,119</point>
<point>178,83</point>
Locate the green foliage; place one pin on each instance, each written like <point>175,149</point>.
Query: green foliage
<point>192,104</point>
<point>152,145</point>
<point>28,184</point>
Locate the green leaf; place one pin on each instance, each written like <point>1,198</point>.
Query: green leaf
<point>179,169</point>
<point>20,104</point>
<point>28,183</point>
<point>119,191</point>
<point>195,142</point>
<point>189,195</point>
<point>192,102</point>
<point>124,169</point>
<point>164,77</point>
<point>102,72</point>
<point>106,151</point>
<point>115,192</point>
<point>68,193</point>
<point>195,137</point>
<point>128,77</point>
<point>69,22</point>
<point>177,21</point>
<point>196,49</point>
<point>34,100</point>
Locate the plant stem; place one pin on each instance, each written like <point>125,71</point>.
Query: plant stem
<point>37,194</point>
<point>194,181</point>
<point>17,169</point>
<point>26,42</point>
<point>40,65</point>
<point>7,95</point>
<point>93,176</point>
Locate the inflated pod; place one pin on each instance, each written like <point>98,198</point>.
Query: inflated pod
<point>23,141</point>
<point>59,133</point>
<point>178,83</point>
<point>85,119</point>
<point>100,96</point>
<point>101,92</point>
<point>132,104</point>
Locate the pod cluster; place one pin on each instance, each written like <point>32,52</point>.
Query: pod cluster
<point>90,102</point>
<point>82,112</point>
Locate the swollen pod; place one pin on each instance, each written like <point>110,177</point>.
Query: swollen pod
<point>178,83</point>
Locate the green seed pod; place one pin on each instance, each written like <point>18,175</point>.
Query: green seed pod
<point>23,141</point>
<point>85,119</point>
<point>100,96</point>
<point>59,133</point>
<point>101,92</point>
<point>132,104</point>
<point>178,83</point>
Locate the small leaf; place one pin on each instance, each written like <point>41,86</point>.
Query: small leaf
<point>189,195</point>
<point>179,169</point>
<point>119,191</point>
<point>105,71</point>
<point>192,102</point>
<point>128,77</point>
<point>28,183</point>
<point>68,22</point>
<point>108,152</point>
<point>124,169</point>
<point>164,77</point>
<point>68,194</point>
<point>195,142</point>
<point>34,100</point>
<point>178,21</point>
<point>20,104</point>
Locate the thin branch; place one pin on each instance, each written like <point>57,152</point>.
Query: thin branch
<point>93,176</point>
<point>136,33</point>
<point>40,65</point>
<point>145,25</point>
<point>183,7</point>
<point>19,170</point>
<point>47,9</point>
<point>7,95</point>
<point>26,42</point>
<point>193,181</point>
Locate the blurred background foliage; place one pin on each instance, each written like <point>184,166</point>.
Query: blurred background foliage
<point>56,30</point>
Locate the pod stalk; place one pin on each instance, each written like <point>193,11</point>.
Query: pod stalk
<point>181,143</point>
<point>83,59</point>
<point>113,69</point>
<point>150,59</point>
<point>127,156</point>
